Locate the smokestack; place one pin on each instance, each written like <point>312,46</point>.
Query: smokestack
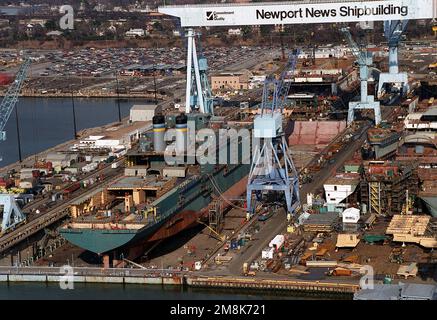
<point>181,133</point>
<point>158,133</point>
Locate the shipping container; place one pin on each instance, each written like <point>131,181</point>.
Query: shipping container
<point>234,244</point>
<point>74,187</point>
<point>341,272</point>
<point>27,184</point>
<point>267,253</point>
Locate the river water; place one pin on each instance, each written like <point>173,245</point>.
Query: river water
<point>47,122</point>
<point>89,291</point>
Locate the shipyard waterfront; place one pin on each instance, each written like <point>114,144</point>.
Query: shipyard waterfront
<point>131,292</point>
<point>238,151</point>
<point>43,121</point>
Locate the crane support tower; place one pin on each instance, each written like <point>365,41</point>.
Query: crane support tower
<point>12,214</point>
<point>364,60</point>
<point>393,30</point>
<point>198,91</point>
<point>272,169</point>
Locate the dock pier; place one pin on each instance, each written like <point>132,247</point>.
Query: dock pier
<point>172,277</point>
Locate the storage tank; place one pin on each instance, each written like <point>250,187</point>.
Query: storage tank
<point>158,133</point>
<point>181,133</point>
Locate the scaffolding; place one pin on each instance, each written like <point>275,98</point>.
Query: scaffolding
<point>375,197</point>
<point>215,217</point>
<point>387,192</point>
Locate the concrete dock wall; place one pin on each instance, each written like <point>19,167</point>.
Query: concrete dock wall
<point>174,280</point>
<point>139,277</point>
<point>264,284</point>
<point>26,278</point>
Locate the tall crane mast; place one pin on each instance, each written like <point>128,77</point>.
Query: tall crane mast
<point>364,59</point>
<point>198,91</point>
<point>393,30</point>
<point>267,172</point>
<point>11,97</point>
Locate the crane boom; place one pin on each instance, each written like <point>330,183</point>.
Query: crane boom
<point>284,85</point>
<point>355,49</point>
<point>278,88</point>
<point>393,31</point>
<point>11,97</point>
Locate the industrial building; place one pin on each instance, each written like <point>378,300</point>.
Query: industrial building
<point>230,81</point>
<point>144,112</point>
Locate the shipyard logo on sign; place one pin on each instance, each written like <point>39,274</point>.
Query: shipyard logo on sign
<point>209,15</point>
<point>217,16</point>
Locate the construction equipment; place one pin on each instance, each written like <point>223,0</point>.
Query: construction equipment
<point>374,238</point>
<point>432,66</point>
<point>11,97</point>
<point>216,234</point>
<point>12,216</point>
<point>393,31</point>
<point>134,263</point>
<point>397,256</point>
<point>365,61</point>
<point>246,270</point>
<point>198,90</point>
<point>267,172</point>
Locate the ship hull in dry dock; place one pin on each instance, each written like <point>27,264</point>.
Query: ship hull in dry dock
<point>132,243</point>
<point>431,204</point>
<point>179,222</point>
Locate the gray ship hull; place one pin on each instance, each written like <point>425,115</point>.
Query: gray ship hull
<point>431,204</point>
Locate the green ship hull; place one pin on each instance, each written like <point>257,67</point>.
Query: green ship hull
<point>178,209</point>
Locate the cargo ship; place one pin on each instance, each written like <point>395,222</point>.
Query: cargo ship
<point>155,199</point>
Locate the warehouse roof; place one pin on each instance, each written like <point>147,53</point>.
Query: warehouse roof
<point>418,291</point>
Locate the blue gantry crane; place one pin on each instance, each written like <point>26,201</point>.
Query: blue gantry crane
<point>11,213</point>
<point>11,97</point>
<point>393,30</point>
<point>268,173</point>
<point>365,61</point>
